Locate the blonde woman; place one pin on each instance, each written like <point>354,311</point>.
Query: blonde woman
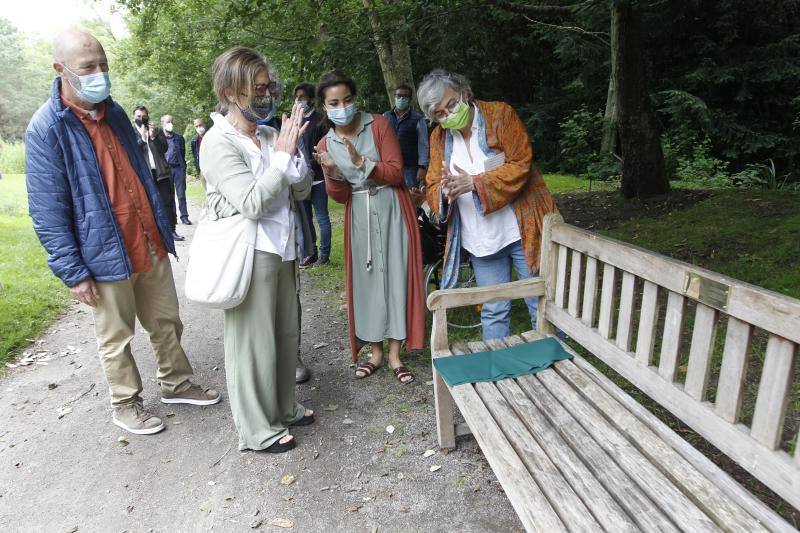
<point>258,172</point>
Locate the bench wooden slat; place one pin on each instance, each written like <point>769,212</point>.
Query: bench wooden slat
<point>602,505</point>
<point>773,392</point>
<point>530,504</point>
<point>650,479</point>
<point>628,494</point>
<point>605,323</point>
<point>704,334</point>
<point>765,309</point>
<point>589,292</point>
<point>547,271</point>
<point>732,439</point>
<point>648,320</point>
<point>627,302</point>
<point>576,268</point>
<point>735,355</point>
<point>448,298</point>
<point>562,498</point>
<point>671,341</point>
<point>711,499</point>
<point>561,276</point>
<point>710,470</point>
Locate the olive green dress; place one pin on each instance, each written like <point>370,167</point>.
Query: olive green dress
<point>379,291</point>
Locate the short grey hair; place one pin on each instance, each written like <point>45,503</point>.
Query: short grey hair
<point>430,91</point>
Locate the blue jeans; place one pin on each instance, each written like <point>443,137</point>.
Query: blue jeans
<point>317,205</point>
<point>179,179</point>
<point>494,269</point>
<point>410,177</point>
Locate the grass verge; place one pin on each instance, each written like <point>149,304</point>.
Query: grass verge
<point>31,296</point>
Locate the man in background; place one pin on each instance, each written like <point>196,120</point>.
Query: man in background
<point>200,128</point>
<point>176,158</point>
<point>317,203</point>
<point>412,132</point>
<point>153,145</point>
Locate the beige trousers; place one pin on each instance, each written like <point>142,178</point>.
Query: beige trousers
<point>149,296</point>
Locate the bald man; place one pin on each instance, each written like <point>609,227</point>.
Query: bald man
<point>96,210</point>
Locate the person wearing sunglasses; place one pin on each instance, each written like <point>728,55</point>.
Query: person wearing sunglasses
<point>482,182</point>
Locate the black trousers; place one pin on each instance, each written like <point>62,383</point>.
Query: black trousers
<point>166,191</point>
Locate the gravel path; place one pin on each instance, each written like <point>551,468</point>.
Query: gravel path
<point>63,467</point>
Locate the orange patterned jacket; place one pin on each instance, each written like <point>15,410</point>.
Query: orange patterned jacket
<point>517,182</point>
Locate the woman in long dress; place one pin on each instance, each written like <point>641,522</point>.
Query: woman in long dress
<point>363,168</point>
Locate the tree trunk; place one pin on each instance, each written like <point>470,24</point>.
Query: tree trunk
<point>393,52</point>
<point>643,172</point>
<point>608,145</point>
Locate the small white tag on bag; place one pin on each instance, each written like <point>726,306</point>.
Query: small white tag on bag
<point>221,262</point>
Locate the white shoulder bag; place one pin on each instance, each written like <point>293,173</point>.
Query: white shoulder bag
<point>221,261</point>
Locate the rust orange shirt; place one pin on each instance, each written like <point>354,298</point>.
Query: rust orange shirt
<point>127,194</point>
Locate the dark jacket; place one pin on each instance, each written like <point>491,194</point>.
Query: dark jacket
<point>67,197</point>
<point>316,130</point>
<point>176,150</point>
<point>406,129</point>
<point>158,145</point>
<point>196,152</point>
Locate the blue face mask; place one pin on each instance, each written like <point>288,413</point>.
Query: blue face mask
<point>342,116</point>
<point>401,102</point>
<point>93,88</point>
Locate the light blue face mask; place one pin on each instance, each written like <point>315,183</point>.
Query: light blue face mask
<point>342,116</point>
<point>401,102</point>
<point>93,88</point>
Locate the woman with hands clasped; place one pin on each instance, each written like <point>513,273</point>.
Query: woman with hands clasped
<point>363,167</point>
<point>258,172</point>
<point>482,181</point>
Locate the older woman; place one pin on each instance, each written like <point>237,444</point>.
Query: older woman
<point>482,181</point>
<point>258,172</point>
<point>363,167</point>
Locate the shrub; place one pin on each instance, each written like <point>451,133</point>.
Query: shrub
<point>580,143</point>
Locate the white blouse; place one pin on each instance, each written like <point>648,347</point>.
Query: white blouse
<point>481,235</point>
<point>275,233</point>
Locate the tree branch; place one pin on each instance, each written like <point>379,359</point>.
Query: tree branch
<point>541,10</point>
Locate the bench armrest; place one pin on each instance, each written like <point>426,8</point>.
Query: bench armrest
<point>448,298</point>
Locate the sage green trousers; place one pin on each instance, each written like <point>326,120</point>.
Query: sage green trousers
<point>261,339</point>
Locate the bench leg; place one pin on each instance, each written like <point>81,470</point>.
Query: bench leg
<point>445,428</point>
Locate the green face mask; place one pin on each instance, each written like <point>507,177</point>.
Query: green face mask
<point>458,118</point>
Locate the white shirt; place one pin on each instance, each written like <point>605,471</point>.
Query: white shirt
<point>275,233</point>
<point>481,235</point>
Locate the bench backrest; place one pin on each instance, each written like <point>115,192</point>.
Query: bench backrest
<point>687,337</point>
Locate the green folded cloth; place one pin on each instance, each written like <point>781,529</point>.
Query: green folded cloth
<point>511,362</point>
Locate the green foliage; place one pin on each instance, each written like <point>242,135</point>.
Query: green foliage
<point>580,147</point>
<point>12,157</point>
<point>24,82</point>
<point>31,296</point>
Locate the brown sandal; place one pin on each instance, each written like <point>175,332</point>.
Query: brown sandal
<point>401,372</point>
<point>367,368</point>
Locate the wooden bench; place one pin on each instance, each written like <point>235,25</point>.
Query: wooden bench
<point>573,451</point>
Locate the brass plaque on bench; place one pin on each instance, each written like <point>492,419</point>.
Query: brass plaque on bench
<point>707,291</point>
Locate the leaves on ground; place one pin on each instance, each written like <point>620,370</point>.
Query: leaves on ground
<point>429,453</point>
<point>123,441</point>
<point>281,522</point>
<point>331,407</point>
<point>434,468</point>
<point>288,479</point>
